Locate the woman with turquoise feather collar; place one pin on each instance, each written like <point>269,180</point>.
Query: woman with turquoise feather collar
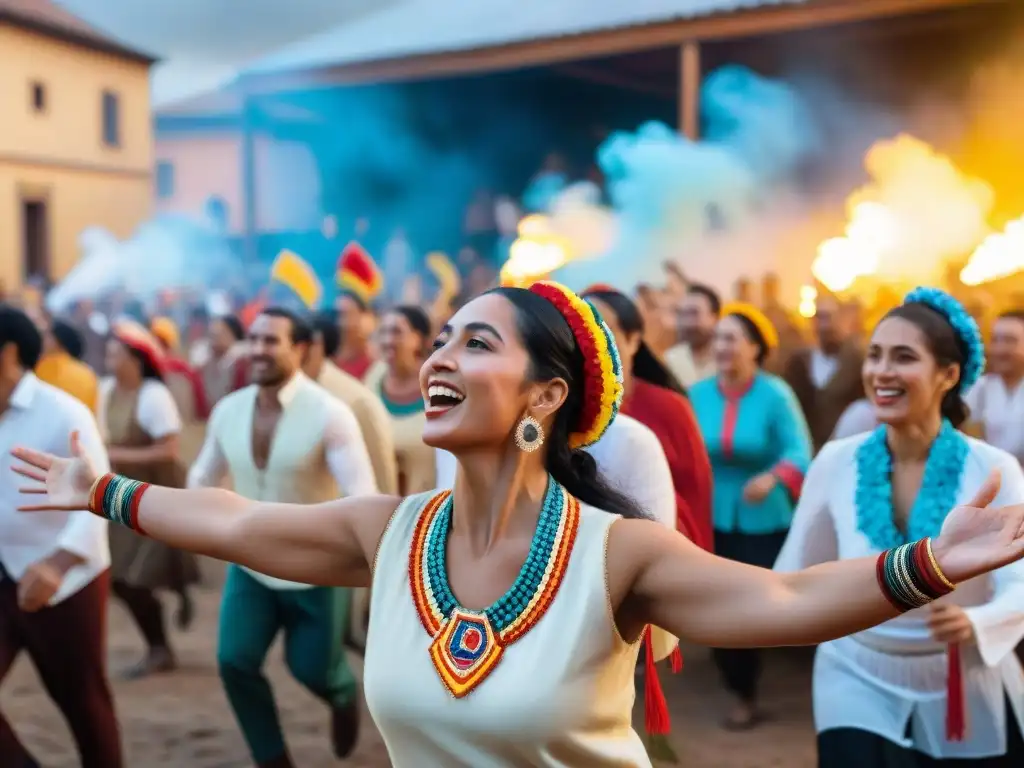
<point>759,445</point>
<point>940,683</point>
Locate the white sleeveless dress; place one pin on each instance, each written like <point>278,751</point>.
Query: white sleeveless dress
<point>562,694</point>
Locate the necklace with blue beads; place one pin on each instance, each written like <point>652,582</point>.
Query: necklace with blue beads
<point>940,487</point>
<point>467,645</point>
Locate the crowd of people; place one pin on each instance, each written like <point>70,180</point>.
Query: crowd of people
<point>519,426</point>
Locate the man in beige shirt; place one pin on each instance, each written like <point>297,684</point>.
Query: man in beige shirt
<point>691,359</point>
<point>369,411</point>
<point>376,428</point>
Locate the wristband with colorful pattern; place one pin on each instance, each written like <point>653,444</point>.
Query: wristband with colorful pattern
<point>116,498</point>
<point>910,577</point>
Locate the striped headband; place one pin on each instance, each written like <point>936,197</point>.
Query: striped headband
<point>602,368</point>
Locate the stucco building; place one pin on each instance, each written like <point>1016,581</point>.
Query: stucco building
<point>200,154</point>
<point>76,146</point>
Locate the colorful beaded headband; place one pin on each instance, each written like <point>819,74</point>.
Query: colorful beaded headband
<point>755,317</point>
<point>602,368</point>
<point>964,326</point>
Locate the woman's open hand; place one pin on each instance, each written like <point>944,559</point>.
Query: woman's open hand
<point>63,483</point>
<point>977,538</point>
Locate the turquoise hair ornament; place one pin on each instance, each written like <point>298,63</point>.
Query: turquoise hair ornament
<point>964,326</point>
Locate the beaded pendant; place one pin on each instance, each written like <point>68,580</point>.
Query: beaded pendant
<point>467,645</point>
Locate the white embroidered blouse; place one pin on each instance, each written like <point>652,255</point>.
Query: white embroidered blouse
<point>891,680</point>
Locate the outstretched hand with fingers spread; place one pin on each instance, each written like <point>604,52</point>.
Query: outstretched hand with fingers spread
<point>977,537</point>
<point>61,484</point>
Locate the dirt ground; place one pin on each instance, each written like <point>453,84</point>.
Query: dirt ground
<point>182,720</point>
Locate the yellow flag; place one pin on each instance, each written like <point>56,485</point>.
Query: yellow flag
<point>291,270</point>
<point>449,282</point>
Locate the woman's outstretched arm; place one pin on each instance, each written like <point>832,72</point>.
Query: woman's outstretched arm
<point>725,604</point>
<point>330,544</point>
<point>660,578</point>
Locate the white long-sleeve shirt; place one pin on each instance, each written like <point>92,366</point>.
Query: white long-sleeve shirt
<point>885,678</point>
<point>1000,411</point>
<point>42,417</point>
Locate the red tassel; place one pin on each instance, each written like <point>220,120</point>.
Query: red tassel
<point>676,659</point>
<point>956,715</point>
<point>656,719</point>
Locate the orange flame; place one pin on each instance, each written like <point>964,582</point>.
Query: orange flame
<point>918,211</point>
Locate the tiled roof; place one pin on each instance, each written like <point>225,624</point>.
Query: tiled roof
<point>420,27</point>
<point>48,18</point>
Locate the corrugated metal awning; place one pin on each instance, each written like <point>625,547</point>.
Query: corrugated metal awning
<point>426,27</point>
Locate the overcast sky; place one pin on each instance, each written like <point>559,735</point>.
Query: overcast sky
<point>204,42</point>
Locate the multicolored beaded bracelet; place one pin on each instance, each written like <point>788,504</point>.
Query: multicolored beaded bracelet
<point>117,498</point>
<point>910,577</point>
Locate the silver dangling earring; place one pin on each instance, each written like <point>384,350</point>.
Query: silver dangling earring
<point>529,435</point>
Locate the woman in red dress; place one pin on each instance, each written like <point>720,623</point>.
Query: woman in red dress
<point>656,399</point>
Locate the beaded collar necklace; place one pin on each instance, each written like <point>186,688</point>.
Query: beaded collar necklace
<point>467,645</point>
<point>939,488</point>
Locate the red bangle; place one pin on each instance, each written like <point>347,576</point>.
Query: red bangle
<point>883,583</point>
<point>136,501</point>
<point>99,489</point>
<point>927,573</point>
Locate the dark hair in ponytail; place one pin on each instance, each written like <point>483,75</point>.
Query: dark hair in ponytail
<point>945,346</point>
<point>554,354</point>
<point>646,365</point>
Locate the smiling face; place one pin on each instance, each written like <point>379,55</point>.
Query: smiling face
<point>902,378</point>
<point>734,351</point>
<point>399,343</point>
<point>274,358</point>
<point>476,381</point>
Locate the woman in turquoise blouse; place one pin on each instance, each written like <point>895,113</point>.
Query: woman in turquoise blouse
<point>760,447</point>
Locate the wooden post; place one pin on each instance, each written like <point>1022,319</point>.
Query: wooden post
<point>689,89</point>
<point>249,223</point>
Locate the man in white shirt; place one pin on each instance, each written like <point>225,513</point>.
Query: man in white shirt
<point>284,438</point>
<point>54,567</point>
<point>996,402</point>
